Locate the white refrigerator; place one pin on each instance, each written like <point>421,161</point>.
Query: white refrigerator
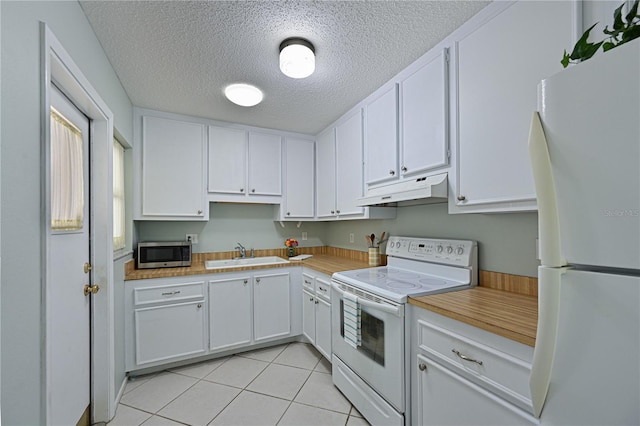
<point>585,152</point>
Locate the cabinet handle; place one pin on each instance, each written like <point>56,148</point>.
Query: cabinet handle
<point>466,358</point>
<point>199,305</point>
<point>392,172</point>
<point>245,282</point>
<point>333,212</point>
<point>461,198</point>
<point>258,280</point>
<point>317,302</point>
<point>307,282</point>
<point>338,211</point>
<point>321,289</point>
<point>199,211</point>
<point>288,213</point>
<point>311,299</point>
<point>404,169</point>
<point>422,366</point>
<point>171,293</point>
<point>241,189</point>
<point>253,190</point>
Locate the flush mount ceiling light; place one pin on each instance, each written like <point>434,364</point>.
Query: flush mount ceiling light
<point>244,95</point>
<point>297,58</point>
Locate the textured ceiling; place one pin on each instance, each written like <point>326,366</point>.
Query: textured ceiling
<point>178,56</point>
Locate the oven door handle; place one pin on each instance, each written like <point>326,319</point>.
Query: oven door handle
<point>391,309</point>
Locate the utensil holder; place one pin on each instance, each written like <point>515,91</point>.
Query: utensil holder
<point>374,256</point>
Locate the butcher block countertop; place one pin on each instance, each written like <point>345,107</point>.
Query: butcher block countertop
<point>509,311</point>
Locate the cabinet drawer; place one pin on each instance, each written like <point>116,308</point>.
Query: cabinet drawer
<point>168,293</point>
<point>307,282</point>
<point>323,289</point>
<point>495,370</point>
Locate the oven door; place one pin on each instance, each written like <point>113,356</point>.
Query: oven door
<point>379,360</point>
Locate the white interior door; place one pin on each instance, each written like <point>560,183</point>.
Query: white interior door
<point>68,390</point>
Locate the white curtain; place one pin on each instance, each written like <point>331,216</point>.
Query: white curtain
<point>67,181</point>
<point>118,196</point>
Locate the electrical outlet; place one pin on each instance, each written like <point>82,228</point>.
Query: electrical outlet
<point>352,238</point>
<point>193,238</point>
<point>304,235</point>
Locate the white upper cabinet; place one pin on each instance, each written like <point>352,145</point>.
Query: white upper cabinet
<point>381,137</point>
<point>326,174</point>
<point>406,127</point>
<point>227,160</point>
<point>244,165</point>
<point>170,170</point>
<point>339,173</point>
<point>499,61</point>
<point>349,165</point>
<point>423,117</point>
<point>299,194</point>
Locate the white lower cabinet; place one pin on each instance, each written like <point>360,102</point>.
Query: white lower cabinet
<point>229,323</point>
<point>166,321</point>
<point>176,319</point>
<point>462,375</point>
<point>271,307</point>
<point>316,311</point>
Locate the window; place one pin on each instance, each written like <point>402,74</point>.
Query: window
<point>67,181</point>
<point>118,196</point>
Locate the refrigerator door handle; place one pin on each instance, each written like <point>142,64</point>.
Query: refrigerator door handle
<point>544,353</point>
<point>548,219</point>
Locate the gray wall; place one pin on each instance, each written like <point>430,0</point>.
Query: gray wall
<point>252,225</point>
<point>21,228</point>
<point>507,242</point>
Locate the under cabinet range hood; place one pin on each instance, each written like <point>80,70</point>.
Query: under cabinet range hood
<point>422,190</point>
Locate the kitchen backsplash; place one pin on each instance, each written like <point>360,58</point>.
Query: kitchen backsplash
<point>507,242</point>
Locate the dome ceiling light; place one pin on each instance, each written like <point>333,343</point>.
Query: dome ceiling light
<point>244,95</point>
<point>297,58</point>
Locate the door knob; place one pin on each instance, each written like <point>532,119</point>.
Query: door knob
<point>91,289</point>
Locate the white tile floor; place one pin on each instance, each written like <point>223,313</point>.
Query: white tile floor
<point>282,385</point>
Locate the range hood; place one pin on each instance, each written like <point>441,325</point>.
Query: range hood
<point>422,190</point>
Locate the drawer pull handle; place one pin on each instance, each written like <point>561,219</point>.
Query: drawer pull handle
<point>171,293</point>
<point>321,289</point>
<point>466,358</point>
<point>422,366</point>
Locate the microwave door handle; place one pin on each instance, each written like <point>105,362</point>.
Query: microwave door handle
<point>391,309</point>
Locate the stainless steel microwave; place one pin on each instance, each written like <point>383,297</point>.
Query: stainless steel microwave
<point>164,254</point>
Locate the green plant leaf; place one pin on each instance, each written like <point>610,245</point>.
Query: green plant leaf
<point>618,23</point>
<point>565,59</point>
<point>631,34</point>
<point>608,46</point>
<point>633,12</point>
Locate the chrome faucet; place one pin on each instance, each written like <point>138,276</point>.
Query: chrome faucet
<point>243,251</point>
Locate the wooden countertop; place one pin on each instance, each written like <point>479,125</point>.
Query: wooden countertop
<point>505,313</point>
<point>330,264</point>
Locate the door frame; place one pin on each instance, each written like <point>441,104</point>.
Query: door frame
<point>58,67</point>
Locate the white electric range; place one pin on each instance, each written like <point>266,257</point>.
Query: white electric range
<point>371,372</point>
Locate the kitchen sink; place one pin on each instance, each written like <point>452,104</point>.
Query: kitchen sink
<point>242,262</point>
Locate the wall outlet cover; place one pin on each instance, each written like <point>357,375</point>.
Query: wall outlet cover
<point>352,238</point>
<point>192,237</point>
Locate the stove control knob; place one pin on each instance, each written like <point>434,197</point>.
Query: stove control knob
<point>392,244</point>
<point>439,249</point>
<point>460,250</point>
<point>449,250</point>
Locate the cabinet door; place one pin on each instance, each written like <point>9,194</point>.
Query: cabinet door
<point>172,168</point>
<point>265,164</point>
<point>271,307</point>
<point>169,331</point>
<point>349,166</point>
<point>229,313</point>
<point>424,112</point>
<point>309,316</point>
<point>323,327</point>
<point>496,95</point>
<point>442,393</point>
<point>300,172</point>
<point>326,174</point>
<point>381,138</point>
<point>227,160</point>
